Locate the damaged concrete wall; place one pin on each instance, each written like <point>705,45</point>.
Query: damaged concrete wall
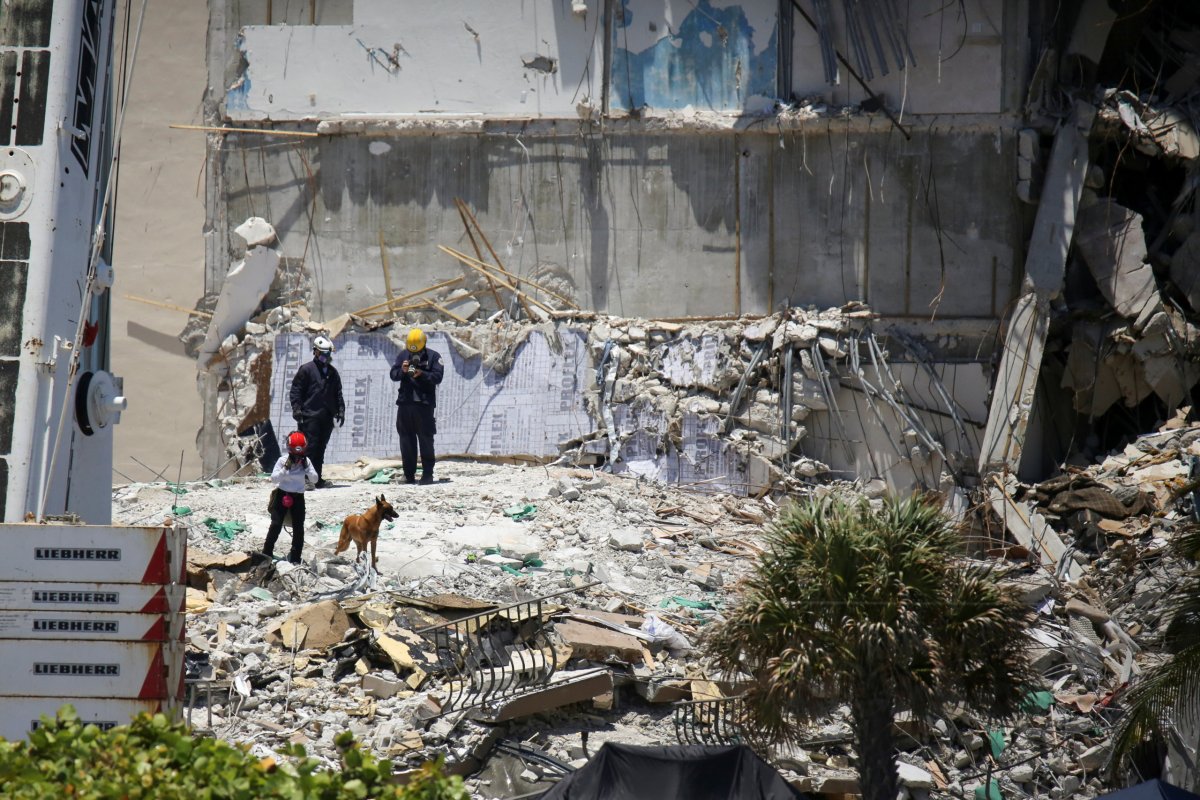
<point>513,59</point>
<point>962,58</point>
<point>678,203</point>
<point>547,59</point>
<point>646,224</point>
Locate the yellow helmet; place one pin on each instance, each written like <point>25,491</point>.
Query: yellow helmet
<point>416,340</point>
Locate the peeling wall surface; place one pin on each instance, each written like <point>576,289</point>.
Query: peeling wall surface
<point>541,59</point>
<point>720,56</point>
<point>402,57</point>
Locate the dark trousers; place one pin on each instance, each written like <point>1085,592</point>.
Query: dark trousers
<point>317,430</point>
<point>416,426</point>
<point>278,512</point>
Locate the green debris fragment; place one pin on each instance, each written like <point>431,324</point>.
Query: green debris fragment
<point>1039,701</point>
<point>700,605</point>
<point>176,488</point>
<point>989,792</point>
<point>533,561</point>
<point>520,513</point>
<point>322,525</point>
<point>996,742</point>
<point>259,593</point>
<point>217,483</point>
<point>389,526</point>
<point>511,570</point>
<point>383,476</point>
<point>180,511</point>
<point>491,551</point>
<point>224,530</point>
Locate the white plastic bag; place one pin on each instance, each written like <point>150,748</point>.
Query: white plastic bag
<point>675,642</point>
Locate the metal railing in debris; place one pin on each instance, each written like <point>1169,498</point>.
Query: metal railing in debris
<point>194,688</point>
<point>712,722</point>
<point>493,655</point>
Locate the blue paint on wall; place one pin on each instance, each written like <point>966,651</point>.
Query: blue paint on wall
<point>708,63</point>
<point>237,97</point>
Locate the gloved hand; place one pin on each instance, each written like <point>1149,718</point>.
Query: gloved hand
<point>340,419</point>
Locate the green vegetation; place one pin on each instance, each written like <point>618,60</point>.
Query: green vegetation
<point>1169,694</point>
<point>154,758</point>
<point>871,607</point>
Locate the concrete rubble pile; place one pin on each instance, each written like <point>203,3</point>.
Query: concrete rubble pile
<point>697,402</point>
<point>1126,332</point>
<point>580,598</point>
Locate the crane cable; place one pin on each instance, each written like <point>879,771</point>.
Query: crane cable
<point>97,244</point>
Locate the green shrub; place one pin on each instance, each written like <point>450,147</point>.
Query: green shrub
<point>154,758</point>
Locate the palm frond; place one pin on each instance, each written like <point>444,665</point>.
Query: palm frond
<point>1169,691</point>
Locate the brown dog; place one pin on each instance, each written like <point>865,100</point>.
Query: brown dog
<point>363,529</point>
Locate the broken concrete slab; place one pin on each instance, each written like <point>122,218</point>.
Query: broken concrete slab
<point>511,539</point>
<point>256,231</point>
<point>324,624</point>
<point>626,539</point>
<point>565,688</point>
<point>244,287</point>
<point>1016,385</point>
<point>1110,239</point>
<point>1030,529</point>
<point>378,686</point>
<point>597,643</point>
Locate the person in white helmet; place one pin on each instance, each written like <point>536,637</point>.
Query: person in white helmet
<point>317,403</point>
<point>418,370</point>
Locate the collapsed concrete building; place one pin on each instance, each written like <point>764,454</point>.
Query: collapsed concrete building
<point>763,240</point>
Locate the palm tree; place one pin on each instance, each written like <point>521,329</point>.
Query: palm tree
<point>1169,694</point>
<point>871,606</point>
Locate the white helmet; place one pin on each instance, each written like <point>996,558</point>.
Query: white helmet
<point>322,345</point>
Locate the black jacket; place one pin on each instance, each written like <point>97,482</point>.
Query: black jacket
<point>423,389</point>
<point>317,393</point>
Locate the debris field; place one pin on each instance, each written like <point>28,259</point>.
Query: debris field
<point>521,616</point>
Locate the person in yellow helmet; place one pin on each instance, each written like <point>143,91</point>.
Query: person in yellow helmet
<point>419,371</point>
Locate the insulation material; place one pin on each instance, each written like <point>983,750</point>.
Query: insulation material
<point>695,454</point>
<point>528,411</point>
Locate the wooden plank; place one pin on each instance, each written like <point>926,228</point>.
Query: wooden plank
<point>387,272</point>
<point>213,129</point>
<point>168,306</point>
<point>409,296</point>
<point>468,261</point>
<point>1031,529</point>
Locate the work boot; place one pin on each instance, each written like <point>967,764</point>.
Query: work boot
<point>426,478</point>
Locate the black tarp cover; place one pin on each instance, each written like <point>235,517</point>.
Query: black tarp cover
<point>1151,790</point>
<point>694,772</point>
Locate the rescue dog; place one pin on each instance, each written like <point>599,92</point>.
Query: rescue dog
<point>363,529</point>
